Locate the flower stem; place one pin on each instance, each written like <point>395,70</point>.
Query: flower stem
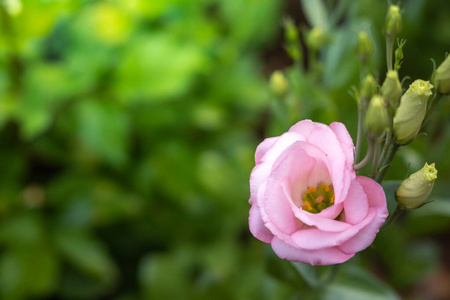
<point>394,216</point>
<point>359,133</point>
<point>389,50</point>
<point>368,156</point>
<point>376,156</point>
<point>384,166</point>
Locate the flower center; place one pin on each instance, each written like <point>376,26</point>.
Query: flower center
<point>318,198</point>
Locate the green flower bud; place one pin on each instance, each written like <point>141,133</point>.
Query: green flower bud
<point>364,47</point>
<point>316,38</point>
<point>442,77</point>
<point>376,120</point>
<point>391,88</point>
<point>290,30</point>
<point>411,112</point>
<point>414,191</point>
<point>278,84</point>
<point>369,87</point>
<point>393,20</point>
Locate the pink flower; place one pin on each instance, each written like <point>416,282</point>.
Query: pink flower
<point>307,200</point>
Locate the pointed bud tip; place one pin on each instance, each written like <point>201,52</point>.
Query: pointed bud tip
<point>430,172</point>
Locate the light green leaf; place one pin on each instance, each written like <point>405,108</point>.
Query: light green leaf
<point>103,130</point>
<point>315,12</point>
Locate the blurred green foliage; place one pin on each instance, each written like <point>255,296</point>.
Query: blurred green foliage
<point>127,134</point>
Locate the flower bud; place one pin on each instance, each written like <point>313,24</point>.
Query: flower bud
<point>364,47</point>
<point>391,88</point>
<point>369,87</point>
<point>414,191</point>
<point>278,83</point>
<point>316,38</point>
<point>290,30</point>
<point>376,120</point>
<point>411,112</point>
<point>393,20</point>
<point>442,77</point>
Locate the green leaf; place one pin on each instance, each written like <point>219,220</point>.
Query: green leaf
<point>87,254</point>
<point>315,12</point>
<point>354,283</point>
<point>103,130</point>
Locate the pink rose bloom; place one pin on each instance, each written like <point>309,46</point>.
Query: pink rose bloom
<point>307,200</point>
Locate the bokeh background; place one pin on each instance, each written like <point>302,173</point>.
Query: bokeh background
<point>127,135</point>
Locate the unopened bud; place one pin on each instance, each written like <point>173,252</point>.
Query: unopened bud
<point>316,38</point>
<point>414,191</point>
<point>369,87</point>
<point>376,120</point>
<point>278,84</point>
<point>442,76</point>
<point>393,20</point>
<point>411,112</point>
<point>290,30</point>
<point>364,47</point>
<point>391,88</point>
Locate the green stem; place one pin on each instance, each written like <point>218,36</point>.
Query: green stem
<point>368,156</point>
<point>387,142</point>
<point>389,51</point>
<point>393,148</point>
<point>14,65</point>
<point>359,132</point>
<point>394,216</point>
<point>376,156</point>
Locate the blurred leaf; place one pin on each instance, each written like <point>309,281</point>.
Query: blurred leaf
<point>88,255</point>
<point>161,277</point>
<point>354,283</point>
<point>103,129</point>
<point>158,67</point>
<point>431,218</point>
<point>316,12</point>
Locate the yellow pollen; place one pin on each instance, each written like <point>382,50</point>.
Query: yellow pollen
<point>310,190</point>
<point>326,188</point>
<point>332,199</point>
<point>319,199</point>
<point>308,206</point>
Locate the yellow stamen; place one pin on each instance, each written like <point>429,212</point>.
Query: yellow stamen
<point>332,200</point>
<point>308,206</point>
<point>310,190</point>
<point>326,188</point>
<point>319,199</point>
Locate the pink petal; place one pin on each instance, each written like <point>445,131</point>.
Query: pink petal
<point>356,204</point>
<point>304,127</point>
<point>257,227</point>
<point>315,239</point>
<point>374,192</point>
<point>345,140</point>
<point>326,256</point>
<point>322,223</point>
<point>323,220</point>
<point>263,148</point>
<point>326,140</point>
<point>377,201</point>
<point>290,163</point>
